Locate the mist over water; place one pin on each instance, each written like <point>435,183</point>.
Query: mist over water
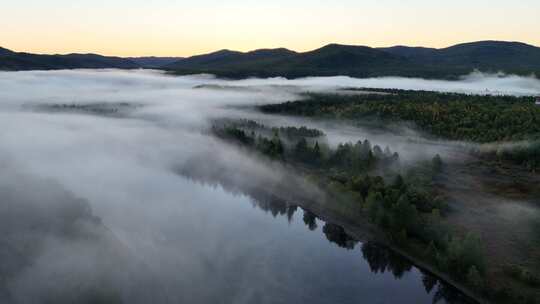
<point>101,150</point>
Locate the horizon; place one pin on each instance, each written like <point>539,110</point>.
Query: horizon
<point>269,48</point>
<point>185,28</point>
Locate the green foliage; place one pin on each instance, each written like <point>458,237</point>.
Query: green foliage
<point>374,206</point>
<point>400,237</point>
<point>421,198</point>
<point>464,253</point>
<point>431,250</point>
<point>523,275</point>
<point>404,216</point>
<point>526,154</point>
<point>437,163</point>
<point>461,257</point>
<point>447,115</point>
<point>238,135</point>
<point>294,132</point>
<point>300,145</point>
<point>474,278</point>
<point>270,147</point>
<point>399,183</point>
<point>434,232</point>
<point>304,153</point>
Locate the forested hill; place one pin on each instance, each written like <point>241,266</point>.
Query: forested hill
<point>362,61</point>
<point>330,60</point>
<point>485,55</point>
<point>4,51</point>
<point>153,62</point>
<point>15,61</point>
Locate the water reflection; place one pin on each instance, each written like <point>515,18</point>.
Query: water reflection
<point>310,219</point>
<point>379,258</point>
<point>337,235</point>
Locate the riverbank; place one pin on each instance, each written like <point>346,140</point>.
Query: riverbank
<point>365,231</point>
<point>407,214</point>
<point>298,187</point>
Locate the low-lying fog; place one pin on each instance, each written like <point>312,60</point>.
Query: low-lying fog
<point>114,140</point>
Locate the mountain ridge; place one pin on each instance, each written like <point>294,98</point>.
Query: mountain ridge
<point>156,62</point>
<point>363,61</point>
<point>329,60</point>
<point>17,61</point>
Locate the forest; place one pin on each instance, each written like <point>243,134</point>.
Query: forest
<point>446,116</point>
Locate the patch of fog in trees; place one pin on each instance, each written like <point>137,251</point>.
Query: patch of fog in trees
<point>112,177</point>
<point>403,138</point>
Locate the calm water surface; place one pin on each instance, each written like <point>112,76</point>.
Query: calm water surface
<point>218,247</point>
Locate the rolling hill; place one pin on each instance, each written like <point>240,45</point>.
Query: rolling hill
<point>362,61</point>
<point>152,62</point>
<point>232,63</point>
<point>330,60</point>
<point>4,51</point>
<point>16,61</point>
<point>483,55</point>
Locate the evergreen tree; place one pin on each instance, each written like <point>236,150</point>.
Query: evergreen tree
<point>474,278</point>
<point>437,163</point>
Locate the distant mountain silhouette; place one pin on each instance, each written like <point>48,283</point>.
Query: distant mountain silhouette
<point>10,60</point>
<point>153,62</point>
<point>4,51</point>
<point>483,55</point>
<point>226,60</point>
<point>363,61</point>
<point>332,59</point>
<point>410,52</point>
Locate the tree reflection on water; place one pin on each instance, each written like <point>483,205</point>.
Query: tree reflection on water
<point>380,258</point>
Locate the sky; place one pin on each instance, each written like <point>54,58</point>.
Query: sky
<point>184,28</point>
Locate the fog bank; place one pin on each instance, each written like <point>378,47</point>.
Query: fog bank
<point>101,151</point>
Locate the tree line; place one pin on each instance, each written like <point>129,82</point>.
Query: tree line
<point>477,118</point>
<point>474,118</point>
